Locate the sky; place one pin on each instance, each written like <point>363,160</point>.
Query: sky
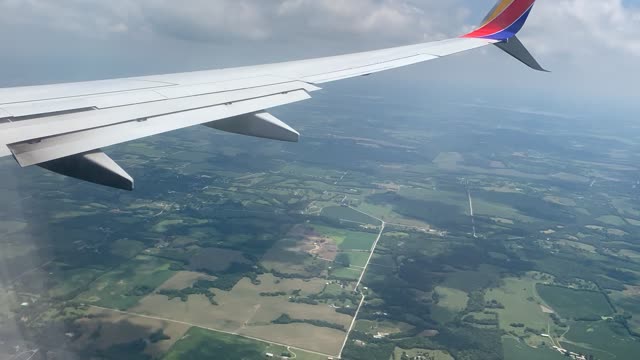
<point>592,47</point>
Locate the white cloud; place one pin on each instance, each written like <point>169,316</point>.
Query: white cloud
<point>581,27</point>
<point>588,44</point>
<point>585,27</point>
<point>245,19</point>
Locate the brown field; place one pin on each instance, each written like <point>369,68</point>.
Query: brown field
<point>242,310</point>
<point>309,337</point>
<point>117,328</point>
<point>560,200</point>
<point>631,291</point>
<point>183,279</point>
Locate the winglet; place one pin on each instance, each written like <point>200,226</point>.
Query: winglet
<point>504,20</point>
<point>515,48</point>
<point>502,24</point>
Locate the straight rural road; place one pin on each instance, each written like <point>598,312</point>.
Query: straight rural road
<point>364,271</point>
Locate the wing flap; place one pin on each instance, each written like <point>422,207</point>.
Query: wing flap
<point>124,98</point>
<point>58,146</point>
<point>34,129</point>
<point>44,107</point>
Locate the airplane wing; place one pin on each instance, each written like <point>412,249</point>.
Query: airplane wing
<point>63,127</point>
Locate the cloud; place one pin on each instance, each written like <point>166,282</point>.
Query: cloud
<point>92,18</point>
<point>580,27</point>
<point>243,19</point>
<point>585,27</point>
<point>588,44</point>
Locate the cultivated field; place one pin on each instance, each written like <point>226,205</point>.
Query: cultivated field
<point>243,310</point>
<point>200,344</point>
<point>104,328</point>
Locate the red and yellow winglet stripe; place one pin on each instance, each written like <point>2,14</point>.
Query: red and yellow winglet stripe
<point>504,20</point>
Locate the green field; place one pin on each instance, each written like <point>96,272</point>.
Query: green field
<point>612,220</point>
<point>346,273</point>
<point>451,302</point>
<point>124,286</point>
<point>358,258</point>
<point>347,239</point>
<point>348,214</point>
<point>200,344</point>
<point>66,282</point>
<point>517,350</point>
<point>575,304</point>
<point>607,339</point>
<point>520,305</point>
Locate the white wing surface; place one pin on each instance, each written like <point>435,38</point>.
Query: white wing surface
<point>63,127</point>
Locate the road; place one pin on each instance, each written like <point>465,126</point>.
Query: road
<point>373,249</point>
<point>364,271</point>
<point>473,219</point>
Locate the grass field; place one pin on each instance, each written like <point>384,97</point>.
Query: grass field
<point>123,287</point>
<point>452,301</point>
<point>200,344</point>
<point>517,350</point>
<point>346,273</point>
<point>347,239</point>
<point>573,304</point>
<point>67,282</point>
<point>348,214</point>
<point>386,213</point>
<point>358,258</point>
<point>521,305</point>
<point>629,301</point>
<point>612,220</point>
<point>126,248</point>
<point>608,340</point>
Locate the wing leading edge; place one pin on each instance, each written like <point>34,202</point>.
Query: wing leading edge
<point>63,127</point>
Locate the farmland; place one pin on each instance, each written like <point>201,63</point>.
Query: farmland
<point>245,247</point>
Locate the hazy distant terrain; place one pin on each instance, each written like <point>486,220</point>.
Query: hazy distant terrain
<point>496,234</point>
